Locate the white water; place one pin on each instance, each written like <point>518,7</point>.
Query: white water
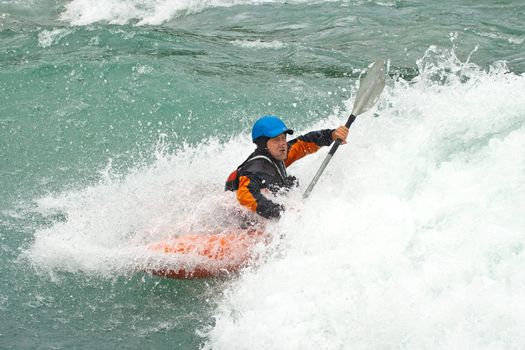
<point>413,238</point>
<point>146,12</point>
<point>155,12</point>
<point>258,44</point>
<point>109,225</point>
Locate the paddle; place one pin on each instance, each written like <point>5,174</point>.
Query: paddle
<point>370,87</point>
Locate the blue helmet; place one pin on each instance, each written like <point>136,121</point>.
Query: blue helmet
<point>269,126</point>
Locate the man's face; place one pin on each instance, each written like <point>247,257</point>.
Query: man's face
<point>277,147</point>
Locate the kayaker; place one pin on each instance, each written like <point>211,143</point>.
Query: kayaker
<point>265,169</point>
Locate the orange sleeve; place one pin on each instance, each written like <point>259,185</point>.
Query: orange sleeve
<point>300,149</point>
<point>244,196</point>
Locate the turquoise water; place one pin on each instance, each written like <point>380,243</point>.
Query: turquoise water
<point>119,121</point>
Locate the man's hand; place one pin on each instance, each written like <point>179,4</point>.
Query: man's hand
<point>340,133</point>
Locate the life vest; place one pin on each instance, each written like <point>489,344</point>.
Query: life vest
<point>232,182</point>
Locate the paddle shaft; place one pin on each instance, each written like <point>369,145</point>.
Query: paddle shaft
<point>327,159</point>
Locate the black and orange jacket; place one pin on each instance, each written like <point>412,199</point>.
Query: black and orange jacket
<point>261,171</point>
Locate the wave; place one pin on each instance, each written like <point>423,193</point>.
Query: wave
<point>106,227</point>
<point>413,239</point>
<point>413,236</point>
<point>144,12</point>
<point>155,12</point>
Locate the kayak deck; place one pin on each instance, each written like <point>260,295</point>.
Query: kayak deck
<point>207,255</point>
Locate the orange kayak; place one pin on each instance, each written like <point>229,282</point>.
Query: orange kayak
<point>206,255</point>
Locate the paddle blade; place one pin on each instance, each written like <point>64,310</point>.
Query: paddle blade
<point>370,87</point>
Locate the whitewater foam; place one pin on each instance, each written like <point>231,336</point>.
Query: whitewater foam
<point>413,239</point>
<point>258,44</point>
<point>108,225</point>
<point>83,12</point>
<point>146,12</point>
<point>46,38</point>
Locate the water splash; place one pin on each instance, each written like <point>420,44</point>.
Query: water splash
<point>143,12</point>
<point>107,225</point>
<point>414,237</point>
